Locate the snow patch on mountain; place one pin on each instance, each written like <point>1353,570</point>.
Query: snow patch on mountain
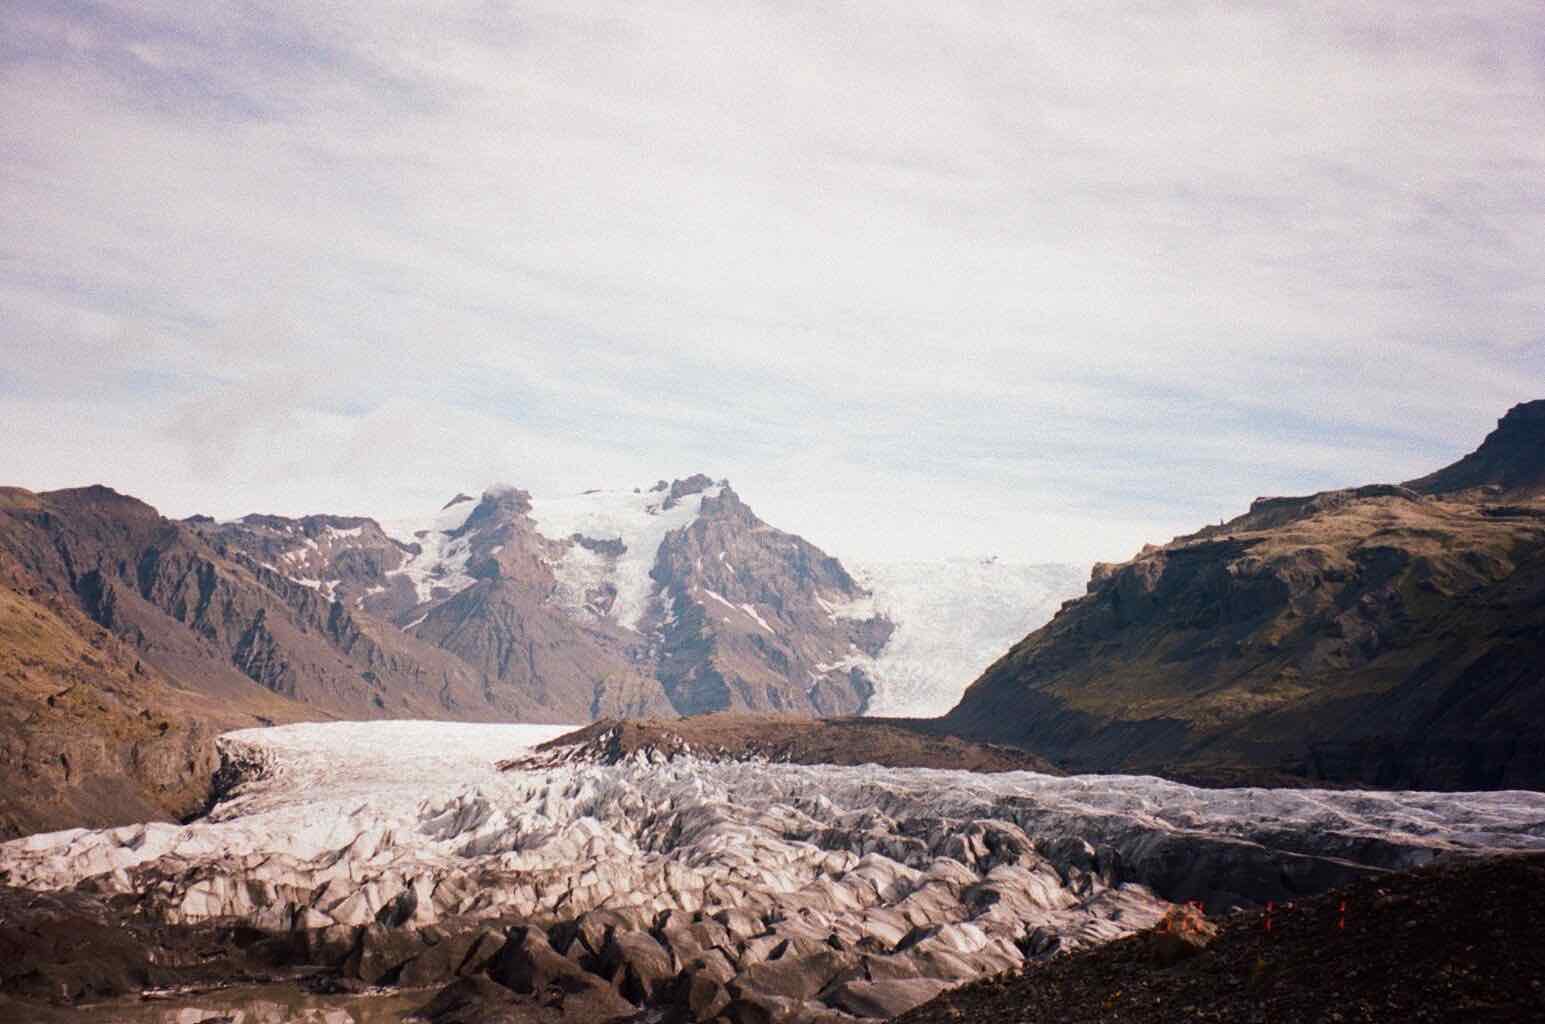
<point>442,562</point>
<point>639,519</point>
<point>953,619</point>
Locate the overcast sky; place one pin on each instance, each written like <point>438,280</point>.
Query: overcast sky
<point>1035,279</point>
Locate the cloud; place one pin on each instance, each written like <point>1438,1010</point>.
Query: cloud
<point>1085,274</point>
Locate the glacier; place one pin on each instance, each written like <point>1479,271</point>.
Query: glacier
<point>339,828</point>
<point>954,618</point>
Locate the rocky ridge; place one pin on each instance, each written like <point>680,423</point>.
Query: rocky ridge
<point>895,743</point>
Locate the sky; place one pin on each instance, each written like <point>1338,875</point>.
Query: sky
<point>1045,281</point>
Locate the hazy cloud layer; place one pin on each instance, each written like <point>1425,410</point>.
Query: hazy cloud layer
<point>1084,275</point>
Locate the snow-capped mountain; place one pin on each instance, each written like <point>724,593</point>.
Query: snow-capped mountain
<point>670,598</point>
<point>675,597</point>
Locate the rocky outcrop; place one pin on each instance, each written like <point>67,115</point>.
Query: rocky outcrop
<point>525,646</point>
<point>93,732</point>
<point>1385,635</point>
<point>89,735</point>
<point>782,739</point>
<point>1509,463</point>
<point>349,559</point>
<point>753,619</point>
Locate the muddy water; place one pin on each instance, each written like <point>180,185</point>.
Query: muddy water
<point>258,1004</point>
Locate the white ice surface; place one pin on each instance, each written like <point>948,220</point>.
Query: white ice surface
<point>639,520</point>
<point>410,795</point>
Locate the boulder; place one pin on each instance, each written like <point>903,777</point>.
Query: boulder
<point>528,964</point>
<point>445,952</point>
<point>380,953</point>
<point>638,965</point>
<point>797,979</point>
<point>688,940</point>
<point>760,1008</point>
<point>590,929</point>
<point>704,996</point>
<point>884,999</point>
<point>474,1000</point>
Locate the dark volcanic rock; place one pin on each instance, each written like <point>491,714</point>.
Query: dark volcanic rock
<point>697,483</point>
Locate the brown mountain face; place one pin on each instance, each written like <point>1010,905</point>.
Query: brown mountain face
<point>345,558</point>
<point>218,621</point>
<point>127,620</point>
<point>508,625</point>
<point>1384,635</point>
<point>91,734</point>
<point>749,618</point>
<point>87,735</point>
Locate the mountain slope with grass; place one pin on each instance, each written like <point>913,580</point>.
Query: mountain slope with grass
<point>1389,635</point>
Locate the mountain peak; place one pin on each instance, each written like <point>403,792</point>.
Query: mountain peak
<point>697,483</point>
<point>1510,459</point>
<point>102,497</point>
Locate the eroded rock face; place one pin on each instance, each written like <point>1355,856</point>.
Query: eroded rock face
<point>752,618</point>
<point>396,853</point>
<point>1511,459</point>
<point>213,618</point>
